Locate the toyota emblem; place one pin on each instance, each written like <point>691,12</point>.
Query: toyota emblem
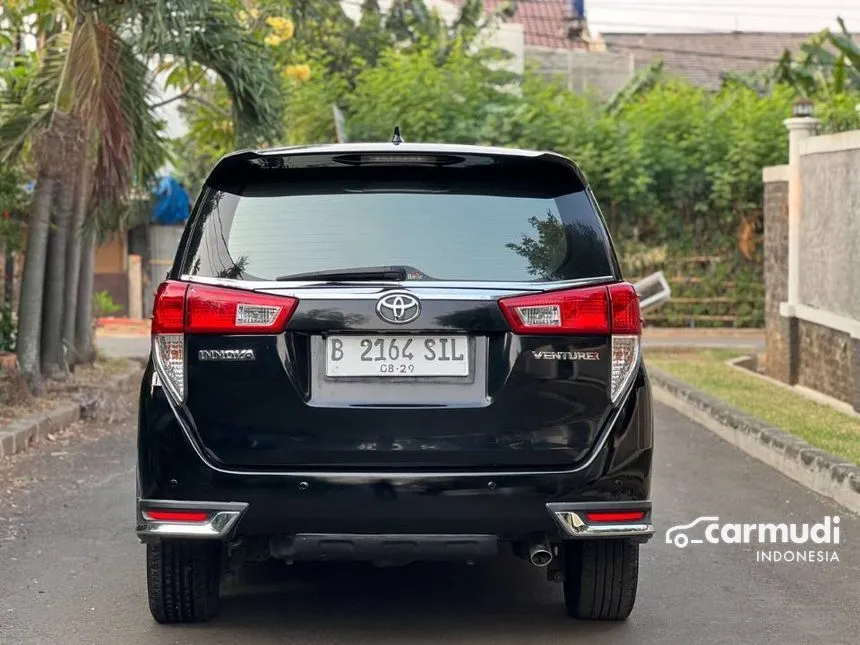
<point>398,308</point>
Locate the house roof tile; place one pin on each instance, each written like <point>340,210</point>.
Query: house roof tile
<point>704,57</point>
<point>544,21</point>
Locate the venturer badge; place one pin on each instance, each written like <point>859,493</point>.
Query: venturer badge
<point>567,356</point>
<point>226,354</point>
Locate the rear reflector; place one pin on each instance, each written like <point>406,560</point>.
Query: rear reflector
<point>169,354</point>
<point>614,516</point>
<point>175,516</point>
<point>181,308</point>
<point>589,311</point>
<point>625,357</point>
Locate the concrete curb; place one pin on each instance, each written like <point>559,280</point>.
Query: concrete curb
<point>20,434</point>
<point>826,474</point>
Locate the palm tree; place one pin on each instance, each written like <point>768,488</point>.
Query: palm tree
<point>86,114</point>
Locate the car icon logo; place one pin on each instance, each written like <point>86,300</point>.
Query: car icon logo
<point>398,308</point>
<point>680,539</point>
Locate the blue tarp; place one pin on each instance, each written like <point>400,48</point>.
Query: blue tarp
<point>172,202</point>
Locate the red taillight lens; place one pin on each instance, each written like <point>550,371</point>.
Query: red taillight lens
<point>176,516</point>
<point>168,311</point>
<point>591,310</point>
<point>182,309</point>
<point>201,309</point>
<point>609,310</point>
<point>626,318</point>
<point>576,311</point>
<point>213,310</point>
<point>614,516</point>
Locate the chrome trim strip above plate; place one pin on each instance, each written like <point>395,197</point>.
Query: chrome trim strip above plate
<point>423,289</point>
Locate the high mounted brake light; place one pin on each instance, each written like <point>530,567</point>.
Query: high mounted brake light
<point>398,159</point>
<point>611,310</point>
<point>182,309</point>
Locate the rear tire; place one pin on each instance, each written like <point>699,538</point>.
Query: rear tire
<point>183,580</point>
<point>601,577</point>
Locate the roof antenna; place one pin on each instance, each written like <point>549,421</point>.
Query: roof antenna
<point>396,139</point>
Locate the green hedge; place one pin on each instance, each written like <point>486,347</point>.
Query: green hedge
<point>677,169</point>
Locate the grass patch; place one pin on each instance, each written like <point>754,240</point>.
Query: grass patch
<point>819,425</point>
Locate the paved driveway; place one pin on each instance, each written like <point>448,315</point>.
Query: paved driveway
<point>72,572</point>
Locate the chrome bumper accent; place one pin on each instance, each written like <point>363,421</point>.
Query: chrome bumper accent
<point>572,519</point>
<point>218,525</point>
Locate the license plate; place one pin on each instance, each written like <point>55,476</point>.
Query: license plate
<point>404,356</point>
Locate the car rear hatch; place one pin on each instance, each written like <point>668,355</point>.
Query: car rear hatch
<point>397,312</point>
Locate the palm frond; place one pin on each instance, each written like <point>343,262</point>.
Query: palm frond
<point>20,127</point>
<point>27,107</point>
<point>130,147</point>
<point>217,41</point>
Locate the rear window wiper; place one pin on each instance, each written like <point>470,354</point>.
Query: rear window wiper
<point>358,273</point>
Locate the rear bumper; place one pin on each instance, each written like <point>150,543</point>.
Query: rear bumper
<point>222,520</point>
<point>507,506</point>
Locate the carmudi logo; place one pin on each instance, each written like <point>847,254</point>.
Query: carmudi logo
<point>820,539</point>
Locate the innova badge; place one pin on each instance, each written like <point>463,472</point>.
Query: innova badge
<point>398,308</point>
<point>226,355</point>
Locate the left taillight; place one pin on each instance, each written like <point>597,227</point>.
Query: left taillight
<point>611,310</point>
<point>181,309</point>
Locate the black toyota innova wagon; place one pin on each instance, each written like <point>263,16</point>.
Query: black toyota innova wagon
<point>395,353</point>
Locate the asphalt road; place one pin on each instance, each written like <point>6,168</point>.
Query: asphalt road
<point>72,572</point>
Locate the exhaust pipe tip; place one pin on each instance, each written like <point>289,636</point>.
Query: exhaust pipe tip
<point>539,556</point>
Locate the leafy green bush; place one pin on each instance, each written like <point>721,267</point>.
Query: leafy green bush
<point>453,102</point>
<point>838,112</point>
<point>677,170</point>
<point>14,202</point>
<point>103,305</point>
<point>8,328</point>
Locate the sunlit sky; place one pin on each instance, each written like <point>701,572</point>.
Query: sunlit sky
<point>716,15</point>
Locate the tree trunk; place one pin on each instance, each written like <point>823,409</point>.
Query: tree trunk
<point>84,317</point>
<point>67,135</point>
<point>73,264</point>
<point>53,358</point>
<point>33,282</point>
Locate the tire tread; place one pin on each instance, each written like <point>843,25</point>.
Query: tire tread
<point>601,579</point>
<point>183,580</point>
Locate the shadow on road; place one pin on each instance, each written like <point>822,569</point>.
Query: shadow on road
<point>499,600</point>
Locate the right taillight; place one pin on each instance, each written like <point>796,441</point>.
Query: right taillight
<point>607,310</point>
<point>181,309</point>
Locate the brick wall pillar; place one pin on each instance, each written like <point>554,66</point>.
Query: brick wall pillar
<point>784,361</point>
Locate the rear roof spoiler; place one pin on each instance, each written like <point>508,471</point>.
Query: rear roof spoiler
<point>236,169</point>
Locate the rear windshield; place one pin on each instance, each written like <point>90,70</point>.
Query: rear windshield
<point>438,224</point>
